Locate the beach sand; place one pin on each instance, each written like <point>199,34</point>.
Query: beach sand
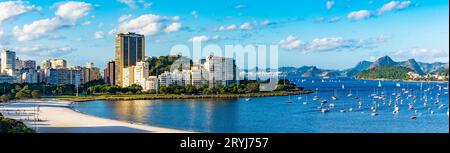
<point>57,117</point>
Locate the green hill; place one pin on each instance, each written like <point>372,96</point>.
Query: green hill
<point>385,72</point>
<point>158,65</point>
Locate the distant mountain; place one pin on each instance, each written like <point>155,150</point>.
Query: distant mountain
<point>413,65</point>
<point>433,67</point>
<point>386,61</point>
<point>383,61</point>
<point>385,72</point>
<point>363,65</point>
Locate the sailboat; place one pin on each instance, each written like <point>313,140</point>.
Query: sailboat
<point>306,100</point>
<point>334,97</point>
<point>316,97</point>
<point>289,99</point>
<point>379,84</point>
<point>350,94</point>
<point>395,109</point>
<point>343,107</point>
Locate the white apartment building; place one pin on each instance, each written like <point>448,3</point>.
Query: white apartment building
<point>8,63</point>
<point>222,71</point>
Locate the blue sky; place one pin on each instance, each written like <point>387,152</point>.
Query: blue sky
<point>333,34</point>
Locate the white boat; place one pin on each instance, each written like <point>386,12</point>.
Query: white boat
<point>247,99</point>
<point>331,105</point>
<point>379,83</point>
<point>349,94</point>
<point>395,109</point>
<point>397,85</point>
<point>323,101</point>
<point>334,98</point>
<point>324,110</point>
<point>315,98</point>
<point>410,106</point>
<point>441,106</point>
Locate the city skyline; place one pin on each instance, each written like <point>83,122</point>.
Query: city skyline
<point>338,29</point>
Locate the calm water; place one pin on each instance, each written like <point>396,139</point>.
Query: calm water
<point>275,114</point>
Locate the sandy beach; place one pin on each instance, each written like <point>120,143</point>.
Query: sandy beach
<point>52,116</point>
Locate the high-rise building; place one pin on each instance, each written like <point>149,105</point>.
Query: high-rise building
<point>128,76</point>
<point>54,64</point>
<point>89,64</point>
<point>8,61</point>
<point>141,72</point>
<point>222,71</point>
<point>109,73</point>
<point>19,63</point>
<point>29,64</point>
<point>129,49</point>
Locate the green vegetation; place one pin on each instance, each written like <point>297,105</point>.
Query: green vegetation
<point>8,125</point>
<point>104,88</point>
<point>173,96</point>
<point>163,63</point>
<point>385,72</point>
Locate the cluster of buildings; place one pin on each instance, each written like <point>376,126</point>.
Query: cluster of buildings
<point>52,71</point>
<point>430,76</point>
<point>131,67</point>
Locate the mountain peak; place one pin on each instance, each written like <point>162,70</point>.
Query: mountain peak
<point>383,61</point>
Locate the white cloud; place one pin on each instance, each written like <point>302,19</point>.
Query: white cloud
<point>147,24</point>
<point>134,4</point>
<point>230,27</point>
<point>204,38</point>
<point>124,18</point>
<point>47,51</point>
<point>66,15</point>
<point>393,5</point>
<point>199,39</point>
<point>329,4</point>
<point>245,26</point>
<point>290,43</point>
<point>86,23</point>
<point>72,11</point>
<point>267,22</point>
<point>359,15</point>
<point>99,35</point>
<point>194,14</point>
<point>240,6</point>
<point>176,18</point>
<point>173,27</point>
<point>37,29</point>
<point>325,44</point>
<point>11,9</point>
<point>2,33</point>
<point>423,54</point>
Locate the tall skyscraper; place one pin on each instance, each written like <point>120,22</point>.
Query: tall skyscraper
<point>222,71</point>
<point>110,73</point>
<point>130,49</point>
<point>8,61</point>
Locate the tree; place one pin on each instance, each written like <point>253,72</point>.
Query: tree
<point>252,87</point>
<point>35,94</point>
<point>5,98</point>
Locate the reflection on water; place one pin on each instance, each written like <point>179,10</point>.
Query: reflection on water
<point>274,114</point>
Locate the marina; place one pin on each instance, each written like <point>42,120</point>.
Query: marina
<point>358,106</point>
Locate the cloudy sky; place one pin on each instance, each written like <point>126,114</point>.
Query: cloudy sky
<point>333,34</point>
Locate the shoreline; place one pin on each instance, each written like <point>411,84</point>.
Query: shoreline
<point>56,116</point>
<point>393,80</point>
<point>171,96</point>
